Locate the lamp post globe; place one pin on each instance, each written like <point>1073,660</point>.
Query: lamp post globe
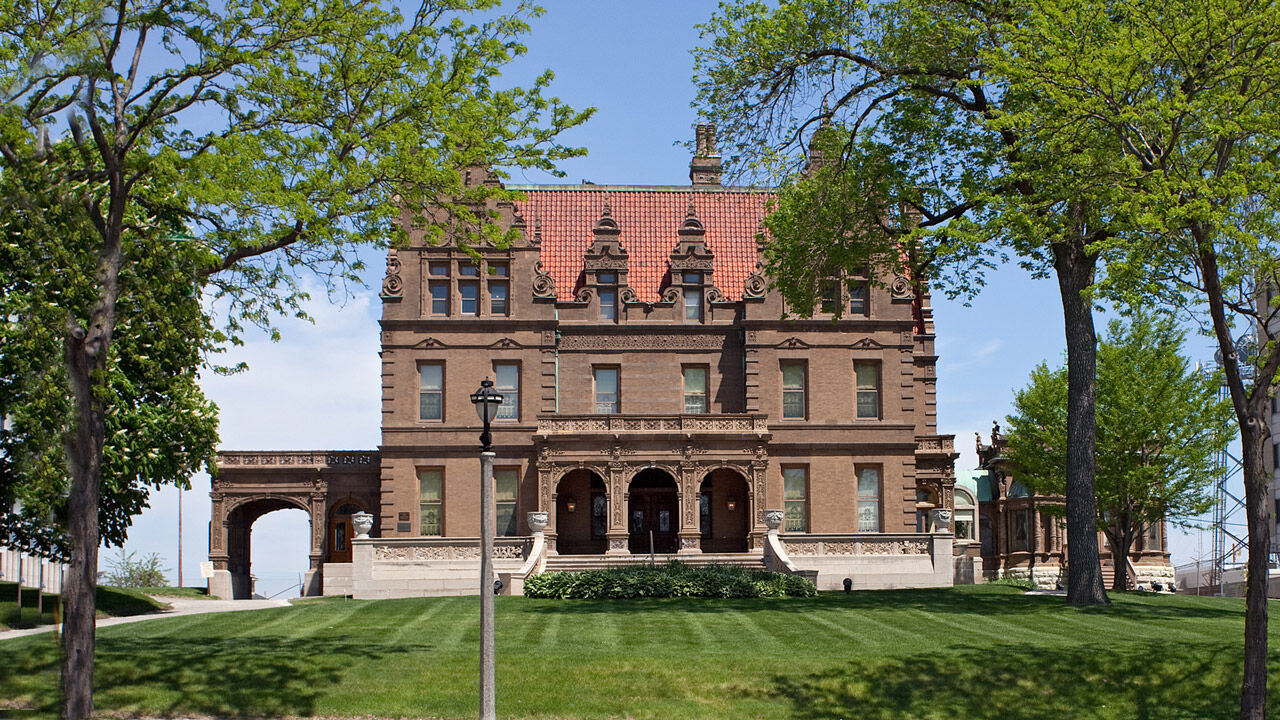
<point>487,401</point>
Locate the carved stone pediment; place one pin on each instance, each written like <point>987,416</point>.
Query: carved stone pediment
<point>866,344</point>
<point>691,251</point>
<point>428,343</point>
<point>606,253</point>
<point>506,344</point>
<point>792,343</point>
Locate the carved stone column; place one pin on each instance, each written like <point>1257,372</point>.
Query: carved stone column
<point>547,502</point>
<point>757,500</point>
<point>616,487</point>
<point>313,580</point>
<point>690,531</point>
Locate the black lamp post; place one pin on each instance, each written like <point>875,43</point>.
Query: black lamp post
<point>487,401</point>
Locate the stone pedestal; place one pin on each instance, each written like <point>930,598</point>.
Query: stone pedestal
<point>220,585</point>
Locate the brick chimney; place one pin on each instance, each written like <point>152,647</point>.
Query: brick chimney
<point>705,168</point>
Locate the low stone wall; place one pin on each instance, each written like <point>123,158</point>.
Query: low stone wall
<point>873,561</point>
<point>1044,576</point>
<point>338,578</point>
<point>428,567</point>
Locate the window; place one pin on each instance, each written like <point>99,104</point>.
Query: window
<point>599,509</point>
<point>859,303</point>
<point>964,516</point>
<point>795,491</point>
<point>695,389</point>
<point>868,499</point>
<point>830,297</point>
<point>704,513</point>
<point>793,390</point>
<point>1153,537</point>
<point>497,297</point>
<point>867,375</point>
<point>506,485</point>
<point>469,292</point>
<point>1021,529</point>
<point>1275,455</point>
<point>608,303</point>
<point>430,502</point>
<point>431,391</point>
<point>439,290</point>
<point>466,269</point>
<point>507,382</point>
<point>498,288</point>
<point>606,380</point>
<point>692,296</point>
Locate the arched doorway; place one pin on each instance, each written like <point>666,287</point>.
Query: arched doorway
<point>653,513</point>
<point>240,526</point>
<point>723,512</point>
<point>342,529</point>
<point>581,514</point>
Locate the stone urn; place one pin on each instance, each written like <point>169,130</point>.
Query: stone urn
<point>363,523</point>
<point>941,519</point>
<point>773,519</point>
<point>537,522</point>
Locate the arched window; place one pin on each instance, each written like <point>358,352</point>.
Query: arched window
<point>965,514</point>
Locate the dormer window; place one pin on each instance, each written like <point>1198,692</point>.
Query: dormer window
<point>607,290</point>
<point>692,295</point>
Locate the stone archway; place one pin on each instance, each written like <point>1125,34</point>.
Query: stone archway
<point>653,512</point>
<point>249,485</point>
<point>582,519</point>
<point>724,512</point>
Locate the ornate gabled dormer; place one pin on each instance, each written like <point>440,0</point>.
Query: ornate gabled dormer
<point>606,252</point>
<point>691,252</point>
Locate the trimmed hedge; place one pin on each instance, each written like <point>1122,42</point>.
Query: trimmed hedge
<point>673,580</point>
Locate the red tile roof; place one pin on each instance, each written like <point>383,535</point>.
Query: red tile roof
<point>648,218</point>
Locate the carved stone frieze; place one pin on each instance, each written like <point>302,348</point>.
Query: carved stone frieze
<point>642,342</point>
<point>855,547</point>
<point>420,553</point>
<point>392,285</point>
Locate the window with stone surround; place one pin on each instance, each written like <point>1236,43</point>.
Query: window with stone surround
<point>430,501</point>
<point>859,298</point>
<point>695,388</point>
<point>608,400</point>
<point>506,482</point>
<point>868,499</point>
<point>499,289</point>
<point>867,377</point>
<point>506,380</point>
<point>438,287</point>
<point>692,295</point>
<point>963,523</point>
<point>795,493</point>
<point>607,291</point>
<point>430,391</point>
<point>794,389</point>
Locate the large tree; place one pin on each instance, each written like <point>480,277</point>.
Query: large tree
<point>281,135</point>
<point>915,166</point>
<point>1160,424</point>
<point>1187,96</point>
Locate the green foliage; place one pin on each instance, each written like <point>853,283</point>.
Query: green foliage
<point>1159,424</point>
<point>673,580</point>
<point>128,571</point>
<point>1013,582</point>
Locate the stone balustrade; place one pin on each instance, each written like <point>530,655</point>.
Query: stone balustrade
<point>683,424</point>
<point>299,459</point>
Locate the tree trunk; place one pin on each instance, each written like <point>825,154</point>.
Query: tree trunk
<point>1253,693</point>
<point>1252,409</point>
<point>1075,270</point>
<point>1120,559</point>
<point>84,458</point>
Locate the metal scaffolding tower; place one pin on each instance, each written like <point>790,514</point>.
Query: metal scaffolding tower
<point>1227,504</point>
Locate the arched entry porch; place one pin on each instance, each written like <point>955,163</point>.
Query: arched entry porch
<point>239,524</point>
<point>581,519</point>
<point>724,512</point>
<point>653,512</point>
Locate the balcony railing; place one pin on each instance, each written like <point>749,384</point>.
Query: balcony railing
<point>295,458</point>
<point>939,445</point>
<point>639,424</point>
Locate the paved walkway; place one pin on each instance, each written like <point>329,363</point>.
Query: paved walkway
<point>181,606</point>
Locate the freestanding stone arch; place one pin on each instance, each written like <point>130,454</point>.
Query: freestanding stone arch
<point>248,485</point>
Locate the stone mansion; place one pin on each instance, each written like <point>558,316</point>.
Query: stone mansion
<point>657,402</point>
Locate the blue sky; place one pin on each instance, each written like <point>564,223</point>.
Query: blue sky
<point>318,388</point>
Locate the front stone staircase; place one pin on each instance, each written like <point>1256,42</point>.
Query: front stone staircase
<point>577,563</point>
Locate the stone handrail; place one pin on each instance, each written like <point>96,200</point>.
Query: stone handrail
<point>935,444</point>
<point>687,424</point>
<point>418,549</point>
<point>814,544</point>
<point>298,458</point>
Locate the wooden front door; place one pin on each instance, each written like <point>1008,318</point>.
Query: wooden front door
<point>653,510</point>
<point>341,531</point>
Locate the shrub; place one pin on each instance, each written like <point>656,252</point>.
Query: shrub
<point>128,572</point>
<point>675,579</point>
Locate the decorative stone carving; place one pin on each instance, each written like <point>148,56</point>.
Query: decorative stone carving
<point>941,519</point>
<point>628,296</point>
<point>544,286</point>
<point>584,295</point>
<point>773,519</point>
<point>392,286</point>
<point>618,544</point>
<point>642,342</point>
<point>755,286</point>
<point>671,295</point>
<point>362,522</point>
<point>537,521</point>
<point>689,543</point>
<point>715,296</point>
<point>900,288</point>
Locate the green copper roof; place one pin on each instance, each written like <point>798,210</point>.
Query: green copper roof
<point>977,483</point>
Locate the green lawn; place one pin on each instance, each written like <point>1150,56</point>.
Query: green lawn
<point>112,601</point>
<point>976,652</point>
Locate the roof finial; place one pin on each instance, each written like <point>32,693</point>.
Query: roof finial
<point>606,221</point>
